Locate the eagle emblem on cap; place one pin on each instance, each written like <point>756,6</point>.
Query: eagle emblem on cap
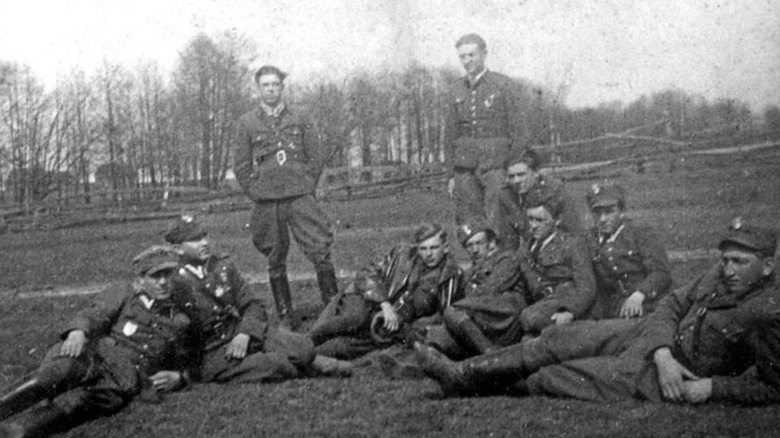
<point>466,229</point>
<point>187,218</point>
<point>595,188</point>
<point>737,223</point>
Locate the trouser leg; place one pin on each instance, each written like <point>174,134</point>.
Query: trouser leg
<point>258,367</point>
<point>38,422</point>
<point>345,314</point>
<point>280,288</point>
<point>311,228</point>
<point>492,180</point>
<point>468,196</point>
<point>466,331</point>
<point>271,237</point>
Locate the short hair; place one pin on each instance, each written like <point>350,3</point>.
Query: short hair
<point>428,230</point>
<point>471,38</point>
<point>527,156</point>
<point>543,195</point>
<point>269,70</point>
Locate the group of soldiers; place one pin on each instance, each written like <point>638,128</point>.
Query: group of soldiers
<point>545,304</point>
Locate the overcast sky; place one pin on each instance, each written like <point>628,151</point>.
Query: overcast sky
<point>604,49</point>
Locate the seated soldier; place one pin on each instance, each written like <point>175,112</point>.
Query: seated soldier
<point>524,177</point>
<point>631,267</point>
<point>489,315</point>
<point>387,297</point>
<point>236,341</point>
<point>715,339</point>
<point>135,340</point>
<point>556,267</point>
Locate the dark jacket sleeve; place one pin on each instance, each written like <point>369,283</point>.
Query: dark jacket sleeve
<point>250,306</point>
<point>98,320</point>
<point>504,277</point>
<point>583,295</point>
<point>450,130</point>
<point>509,223</point>
<point>243,165</point>
<point>659,278</point>
<point>517,117</point>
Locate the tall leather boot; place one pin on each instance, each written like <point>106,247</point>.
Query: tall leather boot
<point>327,282</point>
<point>23,396</point>
<point>470,334</point>
<point>39,422</point>
<point>280,288</point>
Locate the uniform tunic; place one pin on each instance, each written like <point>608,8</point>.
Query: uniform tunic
<point>735,340</point>
<point>512,219</point>
<point>400,278</point>
<point>276,164</point>
<point>631,259</point>
<point>222,306</point>
<point>494,297</point>
<point>484,121</point>
<point>559,277</point>
<point>130,338</point>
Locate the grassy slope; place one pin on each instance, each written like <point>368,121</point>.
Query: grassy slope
<point>689,206</point>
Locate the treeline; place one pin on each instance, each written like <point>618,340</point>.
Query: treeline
<point>122,129</point>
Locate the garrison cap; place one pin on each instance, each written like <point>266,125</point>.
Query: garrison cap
<point>755,238</point>
<point>426,231</point>
<point>184,229</point>
<point>155,259</point>
<point>605,194</point>
<point>471,227</point>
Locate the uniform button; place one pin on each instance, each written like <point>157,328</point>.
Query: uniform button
<point>146,346</point>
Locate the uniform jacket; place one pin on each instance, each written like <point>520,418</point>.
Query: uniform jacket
<point>274,155</point>
<point>512,222</point>
<point>137,336</point>
<point>402,279</point>
<point>630,260</point>
<point>222,305</point>
<point>733,339</point>
<point>489,112</point>
<point>560,270</point>
<point>491,278</point>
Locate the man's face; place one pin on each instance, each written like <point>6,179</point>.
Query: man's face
<point>432,250</point>
<point>271,88</point>
<point>479,246</point>
<point>521,177</point>
<point>607,218</point>
<point>742,269</point>
<point>472,58</point>
<point>157,284</point>
<point>195,249</point>
<point>541,222</point>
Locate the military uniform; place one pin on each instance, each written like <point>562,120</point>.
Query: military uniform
<point>401,278</point>
<point>222,305</point>
<point>484,120</point>
<point>559,277</point>
<point>131,337</point>
<point>275,164</point>
<point>631,259</point>
<point>512,228</point>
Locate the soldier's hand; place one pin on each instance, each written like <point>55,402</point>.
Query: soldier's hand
<point>671,375</point>
<point>698,391</point>
<point>561,318</point>
<point>632,306</point>
<point>238,347</point>
<point>164,381</point>
<point>392,320</point>
<point>74,343</point>
<point>451,187</point>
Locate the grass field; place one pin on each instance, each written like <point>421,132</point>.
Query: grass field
<point>688,201</point>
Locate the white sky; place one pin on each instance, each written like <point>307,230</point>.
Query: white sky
<point>613,49</point>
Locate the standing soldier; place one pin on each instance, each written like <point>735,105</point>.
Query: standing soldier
<point>556,266</point>
<point>135,340</point>
<point>523,177</point>
<point>236,343</point>
<point>631,267</point>
<point>484,121</point>
<point>277,168</point>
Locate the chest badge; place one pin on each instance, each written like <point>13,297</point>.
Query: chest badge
<point>130,328</point>
<point>219,291</point>
<point>489,101</point>
<point>281,157</point>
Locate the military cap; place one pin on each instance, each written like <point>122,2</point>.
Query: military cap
<point>184,229</point>
<point>471,38</point>
<point>605,194</point>
<point>428,230</point>
<point>547,196</point>
<point>155,259</point>
<point>755,238</point>
<point>471,227</point>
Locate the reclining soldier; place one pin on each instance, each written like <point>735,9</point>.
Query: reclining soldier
<point>380,307</point>
<point>236,341</point>
<point>135,340</point>
<point>715,339</point>
<point>631,267</point>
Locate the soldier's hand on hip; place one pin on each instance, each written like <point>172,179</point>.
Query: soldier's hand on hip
<point>74,343</point>
<point>238,347</point>
<point>632,306</point>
